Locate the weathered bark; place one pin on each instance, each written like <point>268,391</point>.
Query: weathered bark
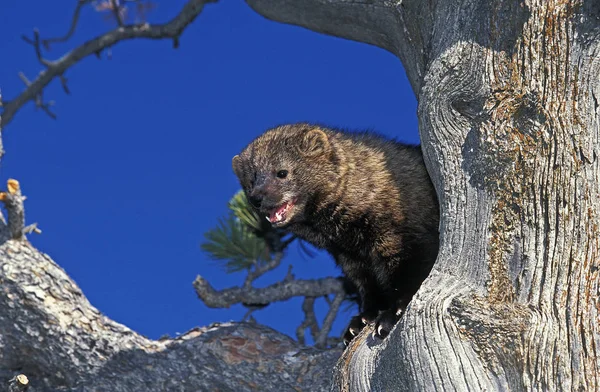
<point>509,121</point>
<point>51,333</point>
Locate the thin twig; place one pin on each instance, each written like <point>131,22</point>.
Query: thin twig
<point>248,314</point>
<point>74,21</point>
<point>259,271</point>
<point>24,79</point>
<point>321,339</point>
<point>46,107</point>
<point>310,320</point>
<point>37,45</point>
<point>170,30</point>
<point>38,100</point>
<point>289,276</point>
<point>116,9</point>
<point>32,228</point>
<point>63,82</point>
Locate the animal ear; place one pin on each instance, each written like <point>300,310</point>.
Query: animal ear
<point>314,143</point>
<point>236,163</point>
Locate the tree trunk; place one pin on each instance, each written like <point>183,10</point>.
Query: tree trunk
<point>508,111</point>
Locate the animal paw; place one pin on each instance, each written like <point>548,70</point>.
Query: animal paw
<point>385,322</point>
<point>357,323</point>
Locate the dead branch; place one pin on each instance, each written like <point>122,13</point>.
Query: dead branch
<point>279,291</point>
<point>171,30</point>
<point>51,333</point>
<point>37,45</point>
<point>117,11</point>
<point>334,307</point>
<point>74,21</point>
<point>257,298</point>
<point>259,271</point>
<point>13,202</point>
<point>310,320</point>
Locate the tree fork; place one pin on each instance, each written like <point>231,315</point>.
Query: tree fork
<point>508,116</point>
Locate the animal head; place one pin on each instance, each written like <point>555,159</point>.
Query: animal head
<point>286,168</point>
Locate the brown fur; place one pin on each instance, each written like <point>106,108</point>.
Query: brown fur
<point>366,199</point>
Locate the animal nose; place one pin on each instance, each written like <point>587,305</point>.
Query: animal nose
<point>255,200</point>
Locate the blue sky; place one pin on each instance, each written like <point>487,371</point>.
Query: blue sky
<point>138,164</point>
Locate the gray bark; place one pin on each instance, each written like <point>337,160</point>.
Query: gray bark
<point>52,334</point>
<point>508,112</point>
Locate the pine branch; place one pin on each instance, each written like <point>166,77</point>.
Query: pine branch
<point>235,244</point>
<point>236,240</point>
<point>245,213</point>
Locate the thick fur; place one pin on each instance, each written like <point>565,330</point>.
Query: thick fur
<point>364,198</point>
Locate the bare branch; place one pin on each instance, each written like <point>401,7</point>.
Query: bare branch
<point>39,103</point>
<point>289,276</point>
<point>63,81</point>
<point>37,45</point>
<point>32,228</point>
<point>24,79</point>
<point>321,339</point>
<point>38,99</point>
<point>46,42</point>
<point>280,291</point>
<point>259,271</point>
<point>13,201</point>
<point>248,315</point>
<point>310,320</point>
<point>116,9</point>
<point>170,30</point>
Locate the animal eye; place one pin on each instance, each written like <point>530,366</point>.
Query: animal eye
<point>282,174</point>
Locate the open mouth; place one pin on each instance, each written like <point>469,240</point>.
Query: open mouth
<point>279,215</point>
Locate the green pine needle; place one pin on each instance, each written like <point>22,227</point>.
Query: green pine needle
<point>236,244</point>
<point>242,209</point>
